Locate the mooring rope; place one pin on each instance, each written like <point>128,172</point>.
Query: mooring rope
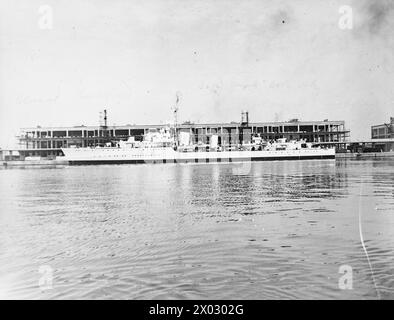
<point>363,244</point>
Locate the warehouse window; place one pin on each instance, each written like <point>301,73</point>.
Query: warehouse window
<point>122,132</point>
<point>57,134</point>
<point>75,133</point>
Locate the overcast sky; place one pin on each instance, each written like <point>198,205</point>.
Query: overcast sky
<point>277,59</point>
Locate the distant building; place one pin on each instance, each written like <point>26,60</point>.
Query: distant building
<point>48,141</point>
<point>8,155</point>
<point>383,131</point>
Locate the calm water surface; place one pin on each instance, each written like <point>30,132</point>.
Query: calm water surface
<point>198,231</point>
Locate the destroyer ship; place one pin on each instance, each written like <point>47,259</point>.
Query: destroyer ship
<point>165,146</point>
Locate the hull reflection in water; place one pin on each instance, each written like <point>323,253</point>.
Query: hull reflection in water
<point>281,230</point>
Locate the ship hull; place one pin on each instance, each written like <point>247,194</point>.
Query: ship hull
<point>96,156</point>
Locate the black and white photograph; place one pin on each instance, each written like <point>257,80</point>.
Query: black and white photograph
<point>196,150</point>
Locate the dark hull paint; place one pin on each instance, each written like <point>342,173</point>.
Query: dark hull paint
<point>96,162</point>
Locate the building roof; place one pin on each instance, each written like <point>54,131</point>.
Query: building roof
<point>186,125</point>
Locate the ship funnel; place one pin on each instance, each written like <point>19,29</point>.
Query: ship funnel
<point>245,118</point>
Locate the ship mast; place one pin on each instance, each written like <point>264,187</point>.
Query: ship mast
<point>103,126</point>
<point>175,111</point>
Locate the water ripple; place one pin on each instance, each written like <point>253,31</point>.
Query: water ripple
<point>280,231</point>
